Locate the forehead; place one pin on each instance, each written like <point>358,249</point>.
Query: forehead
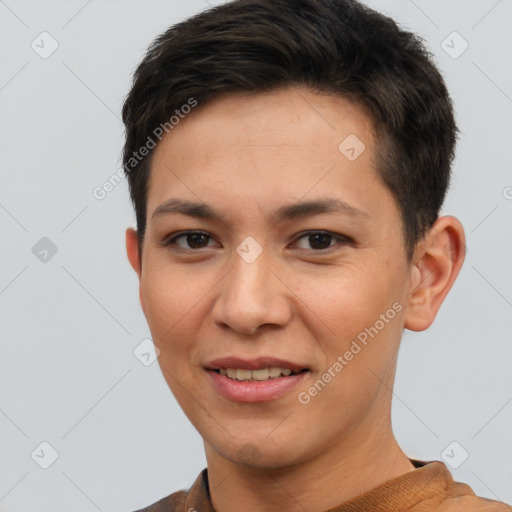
<point>296,114</point>
<point>255,150</point>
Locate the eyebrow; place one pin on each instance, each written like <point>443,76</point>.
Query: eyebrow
<point>285,212</point>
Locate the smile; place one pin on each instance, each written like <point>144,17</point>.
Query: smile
<point>255,385</point>
<point>243,374</point>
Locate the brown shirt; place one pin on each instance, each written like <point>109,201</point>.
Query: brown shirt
<point>429,487</point>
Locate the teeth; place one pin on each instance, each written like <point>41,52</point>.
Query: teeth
<point>258,375</point>
<point>243,374</point>
<point>274,372</point>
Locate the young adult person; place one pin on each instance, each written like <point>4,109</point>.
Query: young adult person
<point>287,161</point>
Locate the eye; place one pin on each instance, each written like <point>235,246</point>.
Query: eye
<point>317,240</point>
<point>194,239</point>
<point>321,240</point>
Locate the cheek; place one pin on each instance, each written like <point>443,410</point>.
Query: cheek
<point>361,315</point>
<point>350,298</point>
<point>169,300</point>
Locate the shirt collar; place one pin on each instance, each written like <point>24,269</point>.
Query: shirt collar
<point>403,492</point>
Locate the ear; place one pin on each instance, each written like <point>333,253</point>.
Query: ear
<point>132,250</point>
<point>437,261</point>
<point>134,257</point>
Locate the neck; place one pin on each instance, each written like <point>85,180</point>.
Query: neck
<point>353,465</point>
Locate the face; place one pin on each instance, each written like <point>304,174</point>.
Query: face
<point>295,260</point>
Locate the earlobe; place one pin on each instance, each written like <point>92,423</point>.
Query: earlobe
<point>437,262</point>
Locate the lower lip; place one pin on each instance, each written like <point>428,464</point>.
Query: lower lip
<point>254,391</point>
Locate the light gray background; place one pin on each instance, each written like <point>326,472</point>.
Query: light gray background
<point>69,326</point>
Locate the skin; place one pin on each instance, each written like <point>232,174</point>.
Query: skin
<point>245,156</point>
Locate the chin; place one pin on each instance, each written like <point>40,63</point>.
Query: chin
<point>263,453</point>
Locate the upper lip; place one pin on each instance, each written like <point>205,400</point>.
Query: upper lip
<point>253,364</point>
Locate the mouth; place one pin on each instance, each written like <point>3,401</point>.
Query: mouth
<point>258,380</point>
<point>260,375</point>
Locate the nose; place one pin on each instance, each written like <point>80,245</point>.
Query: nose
<point>253,295</point>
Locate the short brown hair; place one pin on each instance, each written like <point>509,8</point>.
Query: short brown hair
<point>331,46</point>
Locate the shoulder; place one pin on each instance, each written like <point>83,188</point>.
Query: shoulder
<point>196,498</point>
<point>172,503</point>
<point>444,494</point>
<point>460,497</point>
<point>473,504</point>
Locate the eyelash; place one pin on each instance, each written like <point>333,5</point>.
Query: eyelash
<point>171,241</point>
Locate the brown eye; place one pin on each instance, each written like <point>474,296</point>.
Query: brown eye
<point>193,240</point>
<point>321,240</point>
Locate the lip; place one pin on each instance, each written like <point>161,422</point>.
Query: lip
<point>253,364</point>
<point>254,391</point>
